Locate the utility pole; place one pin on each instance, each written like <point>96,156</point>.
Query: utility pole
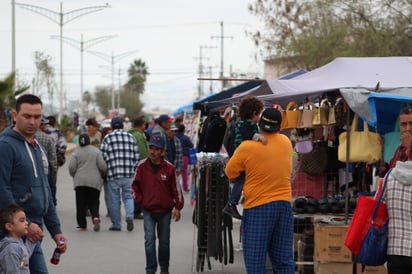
<point>61,18</point>
<point>222,37</point>
<point>119,88</point>
<point>82,46</point>
<point>13,39</point>
<point>211,82</point>
<point>200,68</point>
<point>112,59</point>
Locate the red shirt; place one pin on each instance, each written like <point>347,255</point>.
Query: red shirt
<point>401,154</point>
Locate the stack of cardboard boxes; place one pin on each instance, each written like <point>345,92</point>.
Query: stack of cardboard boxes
<point>331,256</point>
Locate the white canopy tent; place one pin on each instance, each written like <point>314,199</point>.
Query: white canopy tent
<point>343,72</point>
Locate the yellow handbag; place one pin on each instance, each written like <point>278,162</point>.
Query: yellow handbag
<point>292,114</point>
<point>321,114</point>
<point>331,116</point>
<point>364,146</point>
<point>306,115</point>
<point>284,123</point>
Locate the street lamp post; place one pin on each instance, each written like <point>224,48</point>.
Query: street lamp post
<point>82,46</point>
<point>112,59</point>
<point>61,18</point>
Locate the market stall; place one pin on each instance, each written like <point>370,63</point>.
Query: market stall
<point>374,89</point>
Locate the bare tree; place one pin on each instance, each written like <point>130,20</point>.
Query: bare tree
<point>44,75</point>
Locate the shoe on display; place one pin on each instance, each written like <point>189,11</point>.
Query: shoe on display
<point>231,210</point>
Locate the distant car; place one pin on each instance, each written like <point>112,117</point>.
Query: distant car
<point>105,123</point>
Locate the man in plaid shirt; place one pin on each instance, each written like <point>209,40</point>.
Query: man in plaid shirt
<point>121,153</point>
<point>49,146</point>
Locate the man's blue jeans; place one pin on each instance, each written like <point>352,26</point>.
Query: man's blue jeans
<point>159,222</point>
<point>37,262</point>
<point>116,188</point>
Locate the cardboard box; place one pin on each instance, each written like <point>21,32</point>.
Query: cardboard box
<point>333,268</point>
<point>329,245</point>
<point>372,269</point>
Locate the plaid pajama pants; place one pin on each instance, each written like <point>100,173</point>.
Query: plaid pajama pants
<point>268,229</point>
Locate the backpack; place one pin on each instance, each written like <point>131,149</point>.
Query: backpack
<point>61,158</point>
<point>61,147</point>
<point>61,144</point>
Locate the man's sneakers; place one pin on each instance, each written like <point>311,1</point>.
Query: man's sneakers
<point>138,216</point>
<point>130,225</point>
<point>96,224</point>
<point>231,210</point>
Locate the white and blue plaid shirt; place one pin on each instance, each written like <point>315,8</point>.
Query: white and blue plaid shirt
<point>121,153</point>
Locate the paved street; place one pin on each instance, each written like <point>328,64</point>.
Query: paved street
<point>123,252</point>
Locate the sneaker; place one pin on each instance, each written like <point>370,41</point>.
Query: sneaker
<point>81,228</point>
<point>231,210</point>
<point>114,229</point>
<point>130,225</point>
<point>96,223</point>
<point>138,217</point>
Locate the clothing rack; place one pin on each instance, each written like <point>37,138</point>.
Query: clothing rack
<point>214,229</point>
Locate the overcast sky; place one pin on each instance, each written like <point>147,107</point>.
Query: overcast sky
<point>166,34</point>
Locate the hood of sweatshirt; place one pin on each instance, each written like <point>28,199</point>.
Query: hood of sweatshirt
<point>9,132</point>
<point>403,172</point>
<point>6,241</point>
<point>12,133</point>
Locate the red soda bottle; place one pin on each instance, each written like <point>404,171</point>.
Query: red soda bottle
<point>55,259</point>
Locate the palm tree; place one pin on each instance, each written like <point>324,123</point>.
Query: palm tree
<point>8,99</point>
<point>137,72</point>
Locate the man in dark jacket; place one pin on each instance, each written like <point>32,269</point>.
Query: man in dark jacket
<point>156,190</point>
<point>23,179</point>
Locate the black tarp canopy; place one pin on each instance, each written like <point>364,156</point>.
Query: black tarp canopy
<point>212,101</point>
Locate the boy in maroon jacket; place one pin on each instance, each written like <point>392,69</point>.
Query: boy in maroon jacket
<point>156,190</point>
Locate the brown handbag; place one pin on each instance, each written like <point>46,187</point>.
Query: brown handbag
<point>292,115</point>
<point>316,161</point>
<point>306,115</point>
<point>340,110</point>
